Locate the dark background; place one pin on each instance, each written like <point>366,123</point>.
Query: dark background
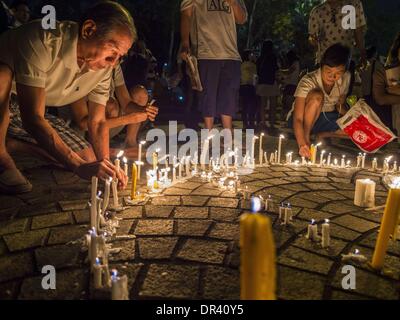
<point>284,21</point>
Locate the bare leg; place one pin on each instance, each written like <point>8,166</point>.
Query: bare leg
<point>6,162</point>
<point>132,131</point>
<point>264,101</point>
<point>209,122</point>
<point>314,103</point>
<point>273,102</point>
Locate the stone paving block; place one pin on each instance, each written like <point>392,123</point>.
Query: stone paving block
<point>154,227</point>
<point>10,202</point>
<point>370,285</point>
<point>318,179</point>
<point>369,215</point>
<point>297,285</point>
<point>206,192</point>
<point>277,174</point>
<point>296,179</point>
<point>355,223</point>
<point>280,168</point>
<point>224,214</point>
<point>221,284</point>
<point>156,248</point>
<point>253,188</point>
<point>259,176</point>
<point>320,173</point>
<point>166,201</point>
<point>370,242</point>
<point>26,240</point>
<point>188,185</point>
<point>277,181</point>
<point>308,214</point>
<point>61,235</point>
<point>194,228</point>
<point>171,281</point>
<point>348,296</point>
<point>127,252</point>
<point>51,220</point>
<point>3,247</point>
<point>341,180</point>
<point>338,207</point>
<point>81,216</point>
<point>277,192</point>
<point>296,187</point>
<point>73,205</point>
<point>281,237</point>
<point>194,200</point>
<point>125,227</point>
<point>300,202</point>
<point>344,186</point>
<point>343,233</point>
<point>158,211</point>
<point>258,184</point>
<point>131,213</point>
<point>13,226</point>
<point>225,231</point>
<point>176,191</point>
<point>223,202</point>
<point>332,195</point>
<point>204,251</point>
<point>9,290</point>
<point>52,256</point>
<point>297,174</point>
<point>69,286</point>
<point>16,266</point>
<point>40,209</point>
<point>335,248</point>
<point>191,213</point>
<point>347,193</point>
<point>319,186</point>
<point>294,257</point>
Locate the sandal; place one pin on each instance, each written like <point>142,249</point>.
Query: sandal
<point>13,182</point>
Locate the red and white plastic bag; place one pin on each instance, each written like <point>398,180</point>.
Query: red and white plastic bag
<point>365,128</point>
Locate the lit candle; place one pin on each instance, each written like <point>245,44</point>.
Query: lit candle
<point>354,257</point>
<point>326,237</point>
<point>117,162</point>
<point>134,181</point>
<point>272,158</point>
<point>312,231</point>
<point>328,162</point>
<point>269,204</point>
<point>335,162</point>
<point>119,287</point>
<point>187,166</point>
<point>321,158</point>
<point>343,162</point>
<point>260,150</point>
<point>97,274</point>
<point>395,166</point>
<point>180,170</point>
<point>281,212</point>
<point>359,160</point>
<point>265,158</point>
<point>374,164</point>
<point>115,193</point>
<point>363,161</point>
<point>93,203</point>
<point>155,159</point>
<point>93,248</point>
<point>389,224</point>
<point>288,214</point>
<point>125,160</point>
<point>281,137</point>
<point>106,194</point>
<point>303,161</point>
<point>204,152</point>
<point>289,158</point>
<point>140,154</point>
<point>257,258</point>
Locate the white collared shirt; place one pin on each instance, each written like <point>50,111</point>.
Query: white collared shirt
<point>48,59</point>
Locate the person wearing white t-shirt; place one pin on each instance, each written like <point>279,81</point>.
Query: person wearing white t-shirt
<point>320,99</point>
<point>211,27</point>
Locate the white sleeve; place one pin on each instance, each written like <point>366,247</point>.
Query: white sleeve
<point>304,87</point>
<point>186,4</point>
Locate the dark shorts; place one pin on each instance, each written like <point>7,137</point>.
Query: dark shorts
<point>325,123</point>
<point>70,137</point>
<point>221,82</point>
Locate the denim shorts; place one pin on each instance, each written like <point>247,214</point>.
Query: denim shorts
<point>326,122</point>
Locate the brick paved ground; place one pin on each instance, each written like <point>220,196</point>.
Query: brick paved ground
<point>186,244</point>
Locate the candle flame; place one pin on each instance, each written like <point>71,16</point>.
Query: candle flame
<point>396,183</point>
<point>312,221</point>
<point>282,136</point>
<point>142,142</point>
<point>356,251</point>
<point>125,160</point>
<point>97,261</point>
<point>120,154</point>
<point>326,220</point>
<point>319,144</point>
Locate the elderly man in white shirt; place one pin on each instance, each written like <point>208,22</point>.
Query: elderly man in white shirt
<point>55,68</point>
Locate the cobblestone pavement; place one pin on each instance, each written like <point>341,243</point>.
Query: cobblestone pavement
<point>186,244</point>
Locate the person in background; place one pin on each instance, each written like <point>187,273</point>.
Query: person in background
<point>386,88</point>
<point>267,88</point>
<point>21,13</point>
<point>248,90</point>
<point>366,73</point>
<point>6,17</point>
<point>212,32</point>
<point>289,78</point>
<point>320,99</point>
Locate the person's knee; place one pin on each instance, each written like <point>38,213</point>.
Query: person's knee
<point>6,77</point>
<point>87,154</point>
<point>315,98</point>
<point>112,108</point>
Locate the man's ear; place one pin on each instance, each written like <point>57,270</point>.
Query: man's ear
<point>88,29</point>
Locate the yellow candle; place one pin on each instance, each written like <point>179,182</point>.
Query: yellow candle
<point>313,152</point>
<point>134,180</point>
<point>257,258</point>
<point>155,160</point>
<point>388,227</point>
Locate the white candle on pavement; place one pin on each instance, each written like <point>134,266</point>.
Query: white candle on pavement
<point>260,150</point>
<point>364,195</point>
<point>93,202</point>
<point>326,237</point>
<point>281,137</point>
<point>312,231</point>
<point>328,162</point>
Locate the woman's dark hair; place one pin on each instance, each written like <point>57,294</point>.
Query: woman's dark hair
<point>336,55</point>
<point>393,56</point>
<point>291,57</point>
<point>109,16</point>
